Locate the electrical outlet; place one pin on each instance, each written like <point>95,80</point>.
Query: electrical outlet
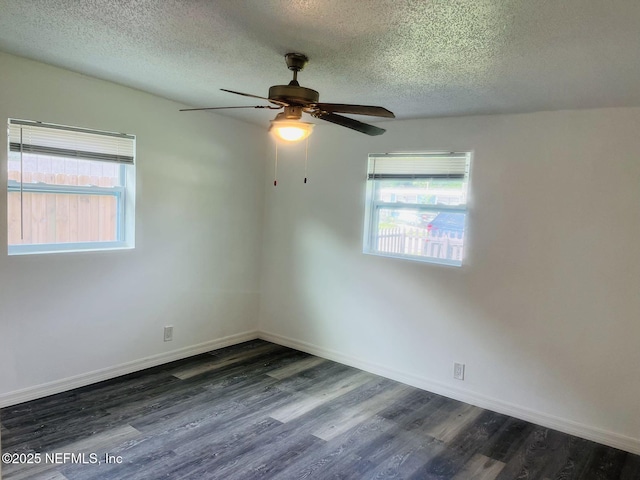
<point>168,333</point>
<point>458,371</point>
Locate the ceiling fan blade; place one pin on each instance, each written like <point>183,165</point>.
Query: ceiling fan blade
<point>350,123</point>
<point>355,109</point>
<point>225,108</point>
<point>277,102</point>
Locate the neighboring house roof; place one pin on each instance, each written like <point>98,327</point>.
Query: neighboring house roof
<point>447,222</point>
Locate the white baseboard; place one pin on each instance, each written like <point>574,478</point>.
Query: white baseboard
<point>611,439</point>
<point>39,391</point>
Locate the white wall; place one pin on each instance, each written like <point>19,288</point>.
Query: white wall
<point>66,319</point>
<point>545,311</point>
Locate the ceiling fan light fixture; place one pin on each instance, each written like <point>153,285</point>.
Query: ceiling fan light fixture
<point>290,130</point>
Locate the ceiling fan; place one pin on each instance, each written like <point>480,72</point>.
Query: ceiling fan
<point>295,100</point>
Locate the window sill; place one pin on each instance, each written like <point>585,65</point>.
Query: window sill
<point>68,248</point>
<point>414,258</point>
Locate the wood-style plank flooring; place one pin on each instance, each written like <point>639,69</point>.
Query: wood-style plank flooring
<point>259,410</point>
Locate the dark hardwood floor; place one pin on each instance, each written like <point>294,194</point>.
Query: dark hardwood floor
<point>259,410</point>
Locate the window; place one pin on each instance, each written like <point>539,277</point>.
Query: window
<point>69,188</point>
<point>417,206</point>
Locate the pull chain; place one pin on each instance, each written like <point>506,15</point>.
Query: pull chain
<point>275,168</point>
<point>306,159</point>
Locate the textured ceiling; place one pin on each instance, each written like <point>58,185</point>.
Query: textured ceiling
<point>418,58</point>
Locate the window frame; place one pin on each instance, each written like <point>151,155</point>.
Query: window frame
<point>124,195</point>
<point>373,208</point>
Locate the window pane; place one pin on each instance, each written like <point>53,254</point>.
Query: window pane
<point>428,234</point>
<point>64,171</point>
<point>62,218</point>
<point>423,192</point>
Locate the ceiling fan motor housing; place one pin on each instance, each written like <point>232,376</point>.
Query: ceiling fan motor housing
<point>293,94</point>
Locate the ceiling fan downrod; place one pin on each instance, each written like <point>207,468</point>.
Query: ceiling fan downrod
<point>295,63</point>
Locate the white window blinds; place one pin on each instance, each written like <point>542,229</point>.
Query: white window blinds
<point>411,166</point>
<point>71,142</point>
